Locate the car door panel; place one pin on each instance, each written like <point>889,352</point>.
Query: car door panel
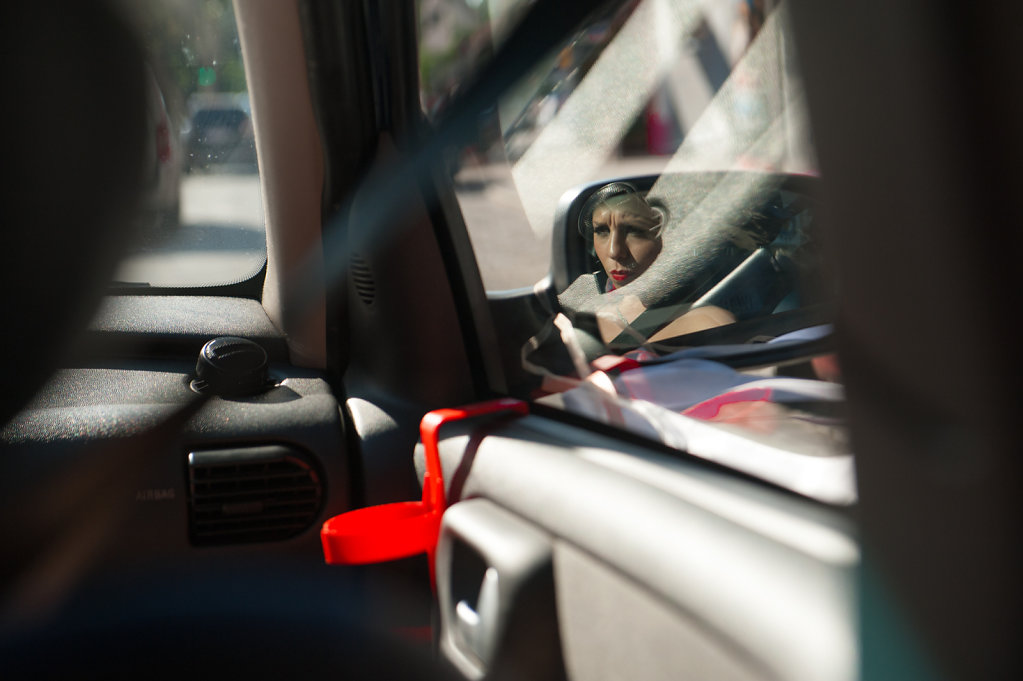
<point>660,564</point>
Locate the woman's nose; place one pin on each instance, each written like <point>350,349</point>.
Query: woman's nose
<point>618,250</point>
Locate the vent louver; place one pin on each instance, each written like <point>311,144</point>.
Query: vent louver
<point>362,278</point>
<point>251,494</point>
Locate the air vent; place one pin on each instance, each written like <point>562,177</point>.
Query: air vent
<point>362,278</point>
<point>251,494</point>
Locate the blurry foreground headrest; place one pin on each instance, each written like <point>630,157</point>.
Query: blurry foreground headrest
<point>73,132</point>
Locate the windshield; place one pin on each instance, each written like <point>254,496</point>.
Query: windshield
<point>653,181</point>
<point>202,218</point>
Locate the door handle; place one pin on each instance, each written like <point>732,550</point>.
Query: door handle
<point>474,626</point>
<point>495,588</point>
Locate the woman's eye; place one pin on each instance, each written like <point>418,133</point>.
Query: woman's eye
<point>602,230</point>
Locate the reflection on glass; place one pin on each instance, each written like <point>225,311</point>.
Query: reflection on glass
<point>695,251</point>
<point>664,151</point>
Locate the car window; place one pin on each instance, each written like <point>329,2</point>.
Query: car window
<point>606,105</point>
<point>658,166</point>
<point>202,217</point>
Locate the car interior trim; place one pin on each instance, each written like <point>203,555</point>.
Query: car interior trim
<point>289,147</point>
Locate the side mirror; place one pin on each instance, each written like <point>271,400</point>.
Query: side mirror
<point>570,255</point>
<point>740,241</point>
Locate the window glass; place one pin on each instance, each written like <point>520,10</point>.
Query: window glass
<point>642,86</point>
<point>658,165</point>
<point>202,221</point>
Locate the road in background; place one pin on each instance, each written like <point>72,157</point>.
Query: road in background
<point>220,239</point>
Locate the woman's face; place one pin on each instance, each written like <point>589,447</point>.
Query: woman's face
<point>626,237</point>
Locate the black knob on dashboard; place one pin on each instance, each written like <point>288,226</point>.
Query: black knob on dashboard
<point>231,367</point>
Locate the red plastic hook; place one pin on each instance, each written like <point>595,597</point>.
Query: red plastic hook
<point>390,531</point>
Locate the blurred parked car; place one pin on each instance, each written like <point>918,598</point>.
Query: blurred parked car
<point>162,203</point>
<point>219,133</point>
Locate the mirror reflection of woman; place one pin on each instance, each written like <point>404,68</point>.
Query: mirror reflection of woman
<point>625,232</point>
